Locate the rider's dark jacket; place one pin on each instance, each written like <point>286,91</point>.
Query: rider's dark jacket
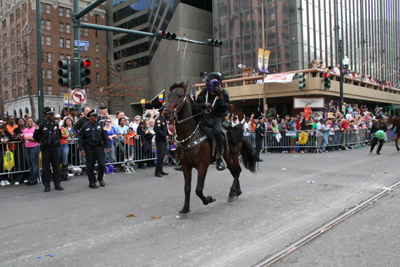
<point>220,106</point>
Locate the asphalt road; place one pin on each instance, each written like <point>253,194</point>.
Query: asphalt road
<point>84,227</point>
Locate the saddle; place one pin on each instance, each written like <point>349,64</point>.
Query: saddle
<point>232,134</point>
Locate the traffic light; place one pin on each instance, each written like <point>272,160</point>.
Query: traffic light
<point>327,80</point>
<point>214,42</point>
<point>166,35</point>
<point>302,80</point>
<point>63,73</point>
<point>85,72</point>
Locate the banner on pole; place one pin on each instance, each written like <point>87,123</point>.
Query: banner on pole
<point>260,59</point>
<point>279,78</point>
<point>266,59</point>
<point>67,99</point>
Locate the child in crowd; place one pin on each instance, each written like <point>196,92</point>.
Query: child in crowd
<point>130,143</point>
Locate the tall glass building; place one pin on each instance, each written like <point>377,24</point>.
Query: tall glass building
<point>298,31</point>
<point>135,51</point>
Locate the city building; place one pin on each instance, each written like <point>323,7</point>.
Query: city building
<point>157,63</point>
<point>18,66</point>
<point>298,31</point>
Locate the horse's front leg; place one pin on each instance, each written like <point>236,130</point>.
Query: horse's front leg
<point>187,173</point>
<point>397,139</point>
<point>202,172</point>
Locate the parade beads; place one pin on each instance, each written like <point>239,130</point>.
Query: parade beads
<point>190,136</point>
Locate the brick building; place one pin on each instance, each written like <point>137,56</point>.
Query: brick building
<point>18,67</point>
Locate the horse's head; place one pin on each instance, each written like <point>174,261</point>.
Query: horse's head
<point>176,100</point>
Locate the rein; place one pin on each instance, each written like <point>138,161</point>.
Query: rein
<point>178,108</point>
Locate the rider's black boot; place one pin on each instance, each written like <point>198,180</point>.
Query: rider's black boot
<point>220,146</point>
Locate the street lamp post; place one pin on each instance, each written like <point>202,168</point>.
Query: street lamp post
<point>345,64</point>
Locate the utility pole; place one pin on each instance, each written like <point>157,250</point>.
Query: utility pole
<point>341,75</point>
<point>39,61</point>
<point>263,63</point>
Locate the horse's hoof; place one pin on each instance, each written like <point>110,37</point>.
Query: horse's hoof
<point>211,199</point>
<point>231,199</point>
<point>181,216</point>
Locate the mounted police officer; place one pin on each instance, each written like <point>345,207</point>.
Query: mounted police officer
<point>48,135</point>
<point>161,130</point>
<point>93,138</point>
<point>260,133</point>
<point>378,125</point>
<point>215,100</point>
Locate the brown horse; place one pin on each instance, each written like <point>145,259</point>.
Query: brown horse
<point>396,122</point>
<point>194,148</point>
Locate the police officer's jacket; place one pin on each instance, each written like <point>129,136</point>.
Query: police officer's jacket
<point>260,129</point>
<point>93,135</point>
<point>48,134</point>
<point>160,128</point>
<point>220,106</point>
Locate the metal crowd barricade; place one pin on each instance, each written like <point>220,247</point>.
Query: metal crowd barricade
<point>290,141</point>
<point>20,164</point>
<point>356,137</point>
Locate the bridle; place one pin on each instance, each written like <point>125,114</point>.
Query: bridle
<point>176,110</point>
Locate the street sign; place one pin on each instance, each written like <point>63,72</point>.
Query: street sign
<point>78,97</point>
<point>81,43</point>
<point>81,48</point>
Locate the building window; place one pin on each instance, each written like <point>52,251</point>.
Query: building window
<point>43,76</point>
<point>42,24</point>
<point>41,7</point>
<point>67,28</point>
<point>97,34</point>
<point>68,56</point>
<point>97,47</point>
<point>85,17</point>
<point>67,12</point>
<point>49,89</point>
<point>48,40</point>
<point>49,57</point>
<point>61,11</point>
<point>12,18</point>
<point>62,57</point>
<point>4,56</point>
<point>42,40</point>
<point>85,32</point>
<point>61,26</point>
<point>96,17</point>
<point>97,62</point>
<point>47,8</point>
<point>61,42</point>
<point>49,74</point>
<point>67,43</point>
<point>48,25</point>
<point>97,77</point>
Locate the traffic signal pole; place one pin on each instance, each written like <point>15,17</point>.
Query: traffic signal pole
<point>39,61</point>
<point>75,72</point>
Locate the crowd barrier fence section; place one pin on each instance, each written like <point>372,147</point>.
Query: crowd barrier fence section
<point>141,149</point>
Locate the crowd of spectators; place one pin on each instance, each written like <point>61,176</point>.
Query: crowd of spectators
<point>133,140</point>
<point>352,74</point>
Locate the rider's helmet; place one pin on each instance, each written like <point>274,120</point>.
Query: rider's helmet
<point>214,79</point>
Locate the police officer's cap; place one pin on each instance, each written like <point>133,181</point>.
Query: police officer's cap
<point>142,122</point>
<point>261,117</point>
<point>102,107</point>
<point>214,75</point>
<point>49,110</point>
<point>93,112</point>
<point>72,109</point>
<point>161,109</point>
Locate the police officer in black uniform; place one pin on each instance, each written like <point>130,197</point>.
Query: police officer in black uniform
<point>93,139</point>
<point>161,130</point>
<point>215,100</point>
<point>260,133</point>
<point>48,135</point>
<point>378,125</point>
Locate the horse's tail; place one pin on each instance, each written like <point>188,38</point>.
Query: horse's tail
<point>249,157</point>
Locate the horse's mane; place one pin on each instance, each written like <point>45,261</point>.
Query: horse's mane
<point>175,85</point>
